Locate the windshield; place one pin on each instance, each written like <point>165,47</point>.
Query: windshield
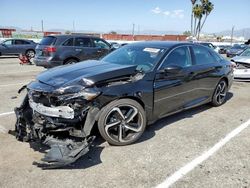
<point>144,57</point>
<point>246,52</point>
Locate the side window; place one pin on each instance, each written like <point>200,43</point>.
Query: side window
<point>69,42</point>
<point>8,42</point>
<point>179,57</point>
<point>202,55</point>
<point>101,44</point>
<point>21,42</point>
<point>83,42</point>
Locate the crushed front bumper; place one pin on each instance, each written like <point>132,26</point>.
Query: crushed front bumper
<point>48,125</point>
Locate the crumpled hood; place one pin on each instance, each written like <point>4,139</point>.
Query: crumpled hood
<point>92,70</point>
<point>242,59</point>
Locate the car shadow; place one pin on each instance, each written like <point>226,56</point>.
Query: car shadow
<point>167,121</point>
<point>93,157</point>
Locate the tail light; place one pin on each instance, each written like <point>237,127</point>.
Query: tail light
<point>49,49</point>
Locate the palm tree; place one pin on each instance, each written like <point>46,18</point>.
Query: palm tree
<point>192,16</point>
<point>207,9</point>
<point>200,10</point>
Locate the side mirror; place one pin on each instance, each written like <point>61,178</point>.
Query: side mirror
<point>173,69</point>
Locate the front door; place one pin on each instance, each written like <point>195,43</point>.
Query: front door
<point>171,88</point>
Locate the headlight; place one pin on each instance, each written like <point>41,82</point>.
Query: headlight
<point>77,91</point>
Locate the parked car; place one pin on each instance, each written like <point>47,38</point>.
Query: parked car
<point>223,48</point>
<point>237,49</point>
<point>68,49</point>
<point>242,65</point>
<point>18,46</point>
<point>123,92</point>
<point>210,45</point>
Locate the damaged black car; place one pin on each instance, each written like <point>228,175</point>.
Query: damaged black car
<point>120,94</point>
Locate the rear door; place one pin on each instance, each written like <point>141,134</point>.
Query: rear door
<point>21,46</point>
<point>205,70</point>
<point>101,47</point>
<point>84,48</point>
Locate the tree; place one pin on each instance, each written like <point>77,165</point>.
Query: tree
<point>187,33</point>
<point>113,32</point>
<point>192,16</point>
<point>201,11</point>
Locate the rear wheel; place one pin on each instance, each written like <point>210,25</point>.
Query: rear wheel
<point>220,93</point>
<point>30,53</point>
<point>70,61</point>
<point>122,122</point>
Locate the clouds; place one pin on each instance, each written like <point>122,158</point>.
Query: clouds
<point>156,10</point>
<point>173,14</point>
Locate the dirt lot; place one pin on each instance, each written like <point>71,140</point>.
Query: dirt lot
<point>165,147</point>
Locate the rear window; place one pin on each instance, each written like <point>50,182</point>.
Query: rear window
<point>48,41</point>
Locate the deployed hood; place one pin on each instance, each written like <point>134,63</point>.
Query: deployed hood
<point>242,59</point>
<point>92,70</point>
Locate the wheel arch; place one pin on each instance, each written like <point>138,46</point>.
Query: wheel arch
<point>71,57</point>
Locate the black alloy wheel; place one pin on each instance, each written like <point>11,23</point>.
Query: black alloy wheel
<point>122,122</point>
<point>220,93</point>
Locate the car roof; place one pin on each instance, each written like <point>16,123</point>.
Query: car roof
<point>160,44</point>
<point>72,35</point>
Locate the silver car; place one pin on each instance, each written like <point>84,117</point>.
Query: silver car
<point>242,65</point>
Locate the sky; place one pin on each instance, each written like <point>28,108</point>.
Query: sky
<point>113,15</point>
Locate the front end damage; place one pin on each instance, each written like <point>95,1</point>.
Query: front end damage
<point>62,121</point>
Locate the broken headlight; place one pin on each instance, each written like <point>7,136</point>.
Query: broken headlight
<point>77,91</point>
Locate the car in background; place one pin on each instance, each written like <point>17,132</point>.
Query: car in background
<point>68,49</point>
<point>237,49</point>
<point>242,65</point>
<point>210,45</point>
<point>129,88</point>
<point>223,48</point>
<point>18,46</point>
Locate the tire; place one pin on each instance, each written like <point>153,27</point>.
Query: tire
<point>30,53</point>
<point>70,61</point>
<point>220,93</point>
<point>116,119</point>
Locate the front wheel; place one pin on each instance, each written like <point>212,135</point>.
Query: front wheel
<point>122,122</point>
<point>220,93</point>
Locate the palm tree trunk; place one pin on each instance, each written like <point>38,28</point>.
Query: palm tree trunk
<point>203,22</point>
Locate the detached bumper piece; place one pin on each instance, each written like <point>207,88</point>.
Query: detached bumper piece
<point>63,153</point>
<point>68,137</point>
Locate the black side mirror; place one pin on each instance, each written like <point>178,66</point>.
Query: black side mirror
<point>173,69</point>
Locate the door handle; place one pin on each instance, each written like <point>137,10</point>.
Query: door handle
<point>78,49</point>
<point>99,51</point>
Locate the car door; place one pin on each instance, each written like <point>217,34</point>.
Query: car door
<point>174,82</point>
<point>101,47</point>
<point>206,68</point>
<point>84,48</point>
<point>20,46</point>
<point>7,47</point>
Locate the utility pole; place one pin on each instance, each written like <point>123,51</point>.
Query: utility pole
<point>232,35</point>
<point>133,30</point>
<point>74,26</point>
<point>42,25</point>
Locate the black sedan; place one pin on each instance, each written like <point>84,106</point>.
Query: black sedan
<point>18,46</point>
<point>131,87</point>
